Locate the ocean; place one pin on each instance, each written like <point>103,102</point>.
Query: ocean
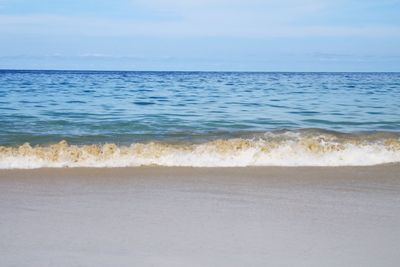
<point>199,119</point>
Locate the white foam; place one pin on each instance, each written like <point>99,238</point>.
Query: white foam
<point>278,150</point>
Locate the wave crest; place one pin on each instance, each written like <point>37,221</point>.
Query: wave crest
<point>272,149</point>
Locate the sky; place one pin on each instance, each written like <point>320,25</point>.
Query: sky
<point>201,35</point>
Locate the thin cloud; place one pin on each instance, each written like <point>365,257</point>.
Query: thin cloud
<point>205,18</point>
<point>82,26</point>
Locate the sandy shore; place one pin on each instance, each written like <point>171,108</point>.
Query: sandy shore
<point>153,216</point>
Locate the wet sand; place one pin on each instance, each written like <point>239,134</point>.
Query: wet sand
<point>154,216</point>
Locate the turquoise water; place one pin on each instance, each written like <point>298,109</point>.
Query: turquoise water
<point>116,119</point>
<point>122,107</point>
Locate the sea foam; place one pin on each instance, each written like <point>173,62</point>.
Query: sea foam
<point>283,149</point>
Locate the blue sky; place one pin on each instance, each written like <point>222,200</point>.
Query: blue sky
<point>224,35</point>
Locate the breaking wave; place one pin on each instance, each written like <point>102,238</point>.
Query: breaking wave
<point>310,148</point>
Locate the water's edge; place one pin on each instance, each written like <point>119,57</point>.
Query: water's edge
<point>289,148</point>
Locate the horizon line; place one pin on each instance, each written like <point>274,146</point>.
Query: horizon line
<point>192,71</point>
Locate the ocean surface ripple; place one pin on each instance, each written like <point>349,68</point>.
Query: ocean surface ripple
<point>84,118</point>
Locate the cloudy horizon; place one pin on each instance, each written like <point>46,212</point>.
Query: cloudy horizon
<point>254,35</point>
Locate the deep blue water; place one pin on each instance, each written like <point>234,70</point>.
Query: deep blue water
<point>125,107</point>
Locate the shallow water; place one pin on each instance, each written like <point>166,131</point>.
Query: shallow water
<point>303,112</point>
<point>124,107</point>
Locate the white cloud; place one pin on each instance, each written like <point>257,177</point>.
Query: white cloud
<point>205,18</point>
<point>195,27</point>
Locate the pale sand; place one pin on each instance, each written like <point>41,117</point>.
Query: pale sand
<point>338,216</point>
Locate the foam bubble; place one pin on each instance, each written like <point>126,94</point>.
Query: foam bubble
<point>272,149</point>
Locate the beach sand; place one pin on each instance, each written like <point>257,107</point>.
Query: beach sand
<point>159,216</point>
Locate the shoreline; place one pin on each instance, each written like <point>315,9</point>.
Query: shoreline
<point>156,170</point>
<point>301,147</point>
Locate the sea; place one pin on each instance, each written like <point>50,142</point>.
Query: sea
<point>198,119</point>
